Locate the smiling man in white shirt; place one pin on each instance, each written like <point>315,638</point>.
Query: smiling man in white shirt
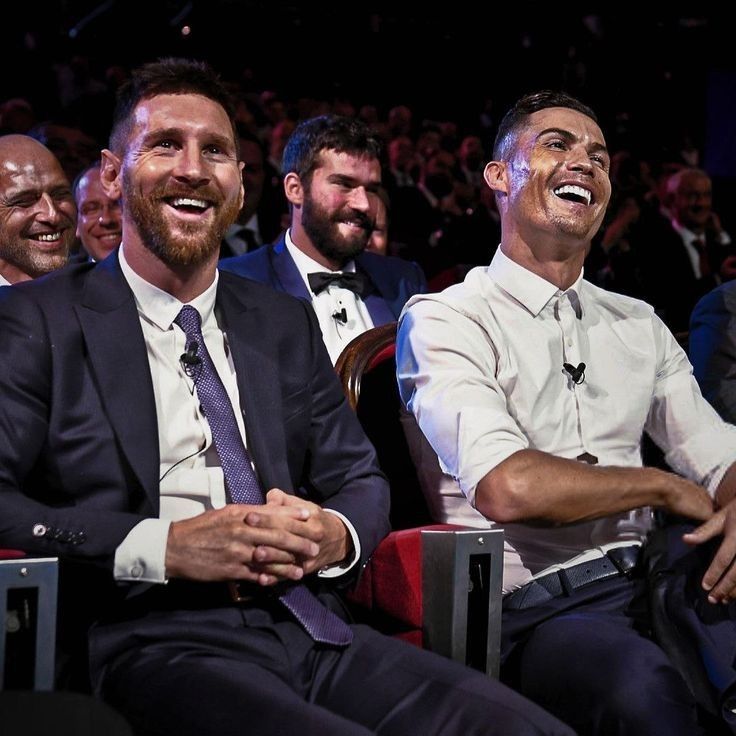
<point>534,388</point>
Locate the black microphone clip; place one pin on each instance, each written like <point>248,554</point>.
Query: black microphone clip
<point>190,360</point>
<point>577,374</point>
<point>341,315</point>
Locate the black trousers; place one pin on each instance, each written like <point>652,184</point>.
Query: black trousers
<point>646,655</point>
<point>252,670</point>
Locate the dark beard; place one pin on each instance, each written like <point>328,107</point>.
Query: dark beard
<point>322,229</point>
<point>195,245</point>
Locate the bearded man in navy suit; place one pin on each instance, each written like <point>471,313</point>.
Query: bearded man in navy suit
<point>178,438</point>
<point>332,174</point>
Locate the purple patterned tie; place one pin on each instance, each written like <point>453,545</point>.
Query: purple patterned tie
<point>240,478</point>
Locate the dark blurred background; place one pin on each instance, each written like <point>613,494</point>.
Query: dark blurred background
<point>661,73</point>
<point>433,83</point>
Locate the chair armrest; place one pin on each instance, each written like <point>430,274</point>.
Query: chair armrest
<point>438,586</point>
<point>28,599</point>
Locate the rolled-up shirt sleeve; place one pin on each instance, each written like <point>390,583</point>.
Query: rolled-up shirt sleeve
<point>697,443</point>
<point>446,368</point>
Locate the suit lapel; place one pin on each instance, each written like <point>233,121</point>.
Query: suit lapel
<point>117,353</point>
<point>256,366</point>
<point>287,274</point>
<point>380,303</point>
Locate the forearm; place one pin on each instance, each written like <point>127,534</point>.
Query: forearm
<point>532,485</point>
<point>726,491</point>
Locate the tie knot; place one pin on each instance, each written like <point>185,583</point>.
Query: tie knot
<point>320,280</point>
<point>190,321</point>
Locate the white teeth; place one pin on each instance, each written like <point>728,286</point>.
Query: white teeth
<point>572,189</point>
<point>49,237</point>
<point>189,202</point>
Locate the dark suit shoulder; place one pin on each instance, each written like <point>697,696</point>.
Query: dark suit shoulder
<point>59,288</point>
<point>388,271</point>
<point>255,265</point>
<point>254,291</point>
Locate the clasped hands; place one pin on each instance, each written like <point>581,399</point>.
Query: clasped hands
<point>284,539</point>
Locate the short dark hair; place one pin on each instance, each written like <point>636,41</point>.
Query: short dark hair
<point>327,133</point>
<point>517,116</point>
<point>173,76</point>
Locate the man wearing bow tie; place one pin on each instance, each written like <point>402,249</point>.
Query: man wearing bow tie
<point>332,173</point>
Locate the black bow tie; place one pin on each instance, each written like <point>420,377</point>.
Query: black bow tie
<point>356,282</point>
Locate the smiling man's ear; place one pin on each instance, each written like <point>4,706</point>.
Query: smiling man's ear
<point>110,174</point>
<point>294,189</point>
<point>495,175</point>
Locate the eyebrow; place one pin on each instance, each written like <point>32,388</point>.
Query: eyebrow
<point>352,181</point>
<point>570,137</point>
<point>222,141</point>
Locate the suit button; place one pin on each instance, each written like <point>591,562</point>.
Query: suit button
<point>40,530</point>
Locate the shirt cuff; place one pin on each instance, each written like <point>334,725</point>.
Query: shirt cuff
<point>340,568</point>
<point>141,556</point>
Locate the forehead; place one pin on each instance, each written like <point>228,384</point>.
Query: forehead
<point>90,186</point>
<point>331,162</point>
<point>29,167</point>
<point>188,113</point>
<point>694,183</point>
<point>581,126</point>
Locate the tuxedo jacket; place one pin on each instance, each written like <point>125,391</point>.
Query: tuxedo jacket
<point>393,279</point>
<point>79,451</point>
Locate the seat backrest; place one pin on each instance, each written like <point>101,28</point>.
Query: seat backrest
<point>367,370</point>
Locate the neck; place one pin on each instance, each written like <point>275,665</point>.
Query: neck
<point>183,282</point>
<point>556,262</point>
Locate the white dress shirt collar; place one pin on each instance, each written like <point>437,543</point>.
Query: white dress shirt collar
<point>307,265</point>
<point>160,307</point>
<point>4,281</point>
<point>530,290</point>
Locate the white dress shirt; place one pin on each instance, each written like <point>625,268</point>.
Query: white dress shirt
<point>335,333</point>
<point>480,365</point>
<point>4,281</point>
<point>191,478</point>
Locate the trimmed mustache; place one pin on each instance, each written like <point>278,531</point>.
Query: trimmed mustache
<point>207,193</point>
<point>356,216</point>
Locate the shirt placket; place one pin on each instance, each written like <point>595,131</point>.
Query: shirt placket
<point>568,320</point>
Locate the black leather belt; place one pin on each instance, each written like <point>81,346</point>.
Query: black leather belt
<point>617,561</point>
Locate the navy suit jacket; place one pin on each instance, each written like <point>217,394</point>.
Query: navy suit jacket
<point>394,280</point>
<point>79,451</point>
<point>712,348</point>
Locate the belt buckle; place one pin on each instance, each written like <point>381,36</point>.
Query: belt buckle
<point>236,594</point>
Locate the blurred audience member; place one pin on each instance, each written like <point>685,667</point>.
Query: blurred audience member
<point>712,348</point>
<point>686,256</point>
<point>264,214</point>
<point>16,116</point>
<point>36,211</point>
<point>72,146</point>
<point>99,218</point>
